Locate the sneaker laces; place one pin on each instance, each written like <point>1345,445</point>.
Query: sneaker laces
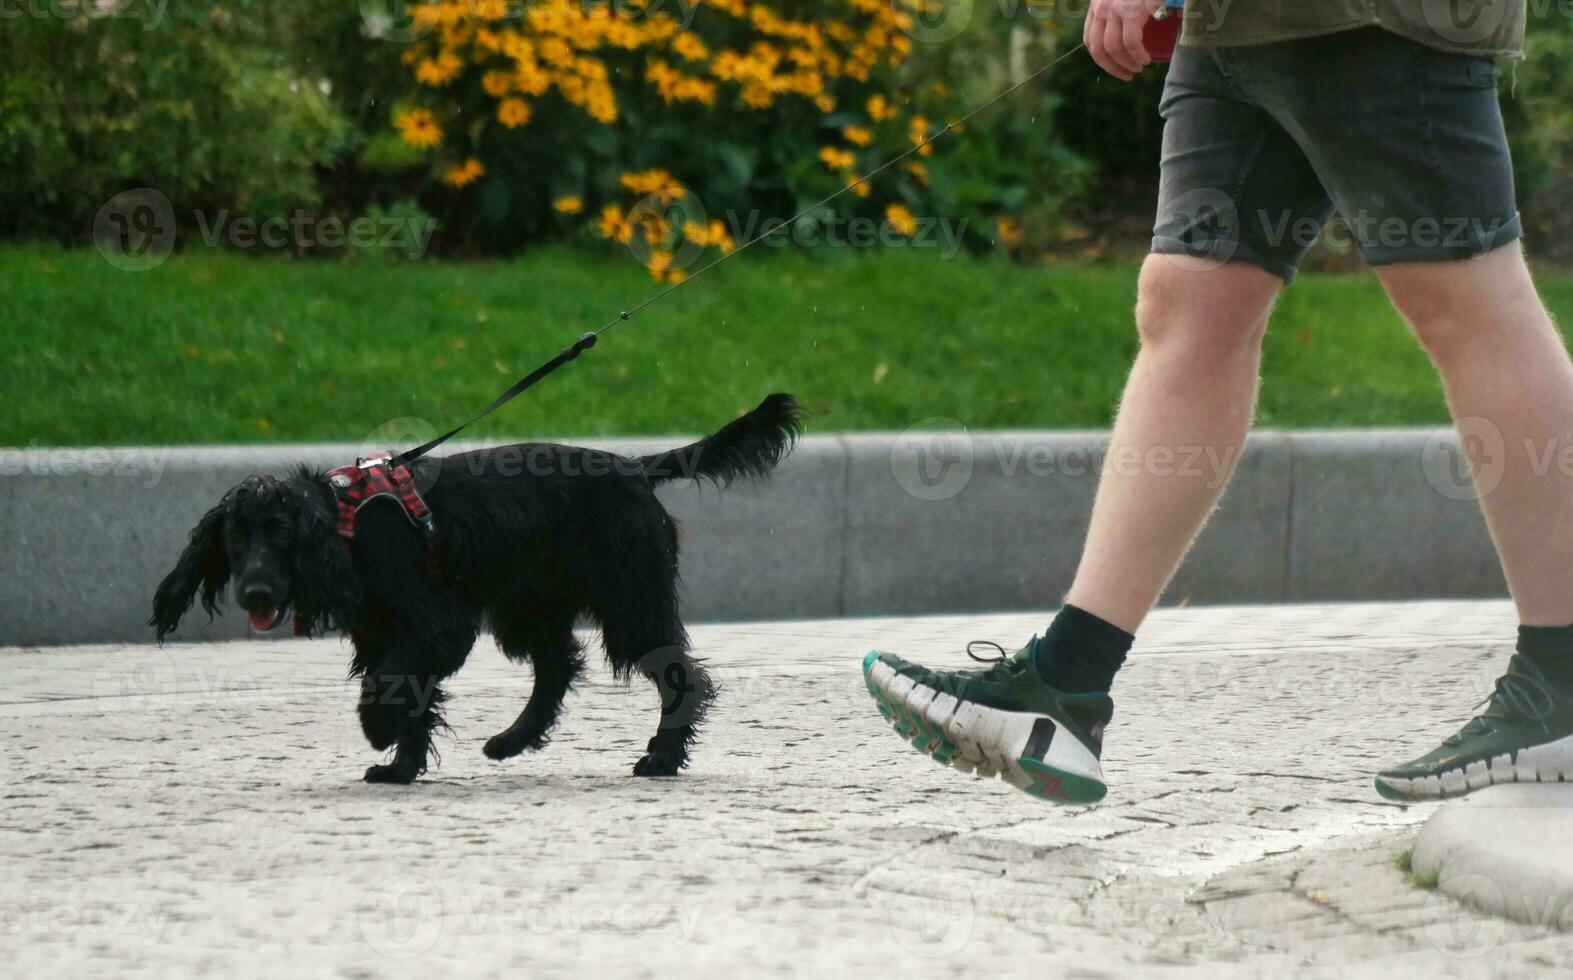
<point>986,643</point>
<point>1515,696</point>
<point>1001,660</point>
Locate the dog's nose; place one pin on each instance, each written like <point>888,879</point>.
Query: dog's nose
<point>256,596</point>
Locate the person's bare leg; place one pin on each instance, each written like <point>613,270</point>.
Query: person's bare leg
<point>1192,390</point>
<point>1507,373</point>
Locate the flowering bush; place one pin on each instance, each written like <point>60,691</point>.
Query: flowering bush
<point>657,130</point>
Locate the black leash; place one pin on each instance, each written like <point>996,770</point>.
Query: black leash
<point>587,341</point>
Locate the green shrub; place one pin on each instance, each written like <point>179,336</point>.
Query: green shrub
<point>1537,102</point>
<point>198,105</point>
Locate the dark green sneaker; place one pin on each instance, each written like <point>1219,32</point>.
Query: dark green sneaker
<point>1002,721</point>
<point>1525,735</point>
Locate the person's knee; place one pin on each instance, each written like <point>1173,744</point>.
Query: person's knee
<point>1456,309</point>
<point>1216,310</point>
<point>1441,332</point>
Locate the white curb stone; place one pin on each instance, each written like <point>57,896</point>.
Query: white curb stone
<point>1507,850</point>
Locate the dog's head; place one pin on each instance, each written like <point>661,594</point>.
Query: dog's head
<point>277,539</point>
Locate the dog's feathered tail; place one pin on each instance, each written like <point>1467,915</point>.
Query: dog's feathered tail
<point>750,446</point>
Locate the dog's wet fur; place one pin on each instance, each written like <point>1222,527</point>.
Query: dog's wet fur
<point>528,539</point>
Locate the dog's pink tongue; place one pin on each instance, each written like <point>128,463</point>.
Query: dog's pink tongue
<point>263,621</point>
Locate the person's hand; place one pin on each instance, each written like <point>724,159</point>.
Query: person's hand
<point>1113,33</point>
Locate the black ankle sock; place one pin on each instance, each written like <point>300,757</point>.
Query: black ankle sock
<point>1551,649</point>
<point>1081,652</point>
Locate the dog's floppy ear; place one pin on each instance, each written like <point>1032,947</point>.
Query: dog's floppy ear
<point>325,592</point>
<point>204,564</point>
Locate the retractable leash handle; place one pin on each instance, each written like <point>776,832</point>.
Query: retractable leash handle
<point>1162,32</point>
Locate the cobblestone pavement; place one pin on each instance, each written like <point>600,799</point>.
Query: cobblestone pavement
<point>199,810</point>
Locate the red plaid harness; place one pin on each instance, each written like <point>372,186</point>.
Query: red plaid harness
<point>367,479</point>
<point>378,476</point>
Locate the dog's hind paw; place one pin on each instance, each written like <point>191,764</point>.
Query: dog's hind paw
<point>394,773</point>
<point>658,764</point>
<point>499,748</point>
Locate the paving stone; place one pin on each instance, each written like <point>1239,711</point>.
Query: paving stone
<point>198,811</point>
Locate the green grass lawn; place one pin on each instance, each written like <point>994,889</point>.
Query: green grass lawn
<point>223,348</point>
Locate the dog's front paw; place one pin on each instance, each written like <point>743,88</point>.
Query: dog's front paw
<point>658,764</point>
<point>393,773</point>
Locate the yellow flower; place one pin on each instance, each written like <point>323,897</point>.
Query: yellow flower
<point>676,276</point>
<point>858,135</point>
<point>569,204</point>
<point>613,225</point>
<point>463,174</point>
<point>919,172</point>
<point>496,83</point>
<point>418,128</point>
<point>861,189</point>
<point>440,70</point>
<point>836,158</point>
<point>825,102</point>
<point>653,182</point>
<point>513,113</point>
<point>531,79</point>
<point>1008,231</point>
<point>919,131</point>
<point>690,47</point>
<point>658,263</point>
<point>901,219</point>
<point>880,109</point>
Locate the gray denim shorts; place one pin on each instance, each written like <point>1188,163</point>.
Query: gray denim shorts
<point>1261,142</point>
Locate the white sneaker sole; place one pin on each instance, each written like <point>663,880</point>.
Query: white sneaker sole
<point>1548,763</point>
<point>1029,751</point>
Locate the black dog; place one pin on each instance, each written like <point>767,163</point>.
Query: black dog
<point>526,538</point>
